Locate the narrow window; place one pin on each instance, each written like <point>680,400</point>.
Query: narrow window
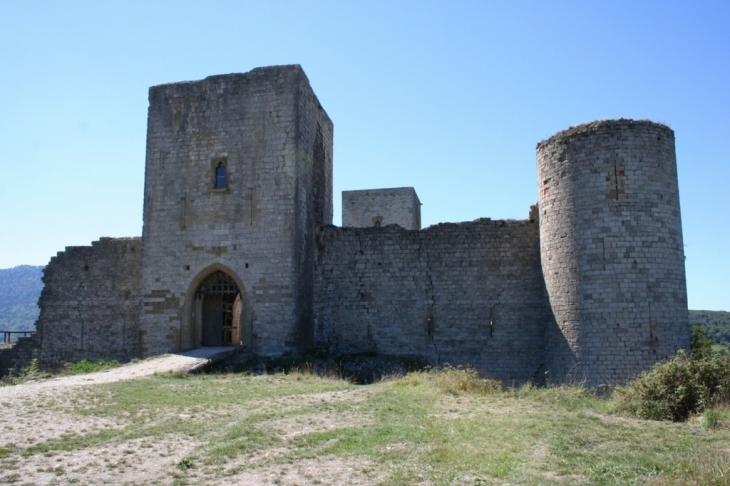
<point>220,176</point>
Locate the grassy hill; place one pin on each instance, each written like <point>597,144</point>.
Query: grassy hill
<point>20,288</point>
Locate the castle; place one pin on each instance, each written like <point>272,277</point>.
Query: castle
<point>238,248</point>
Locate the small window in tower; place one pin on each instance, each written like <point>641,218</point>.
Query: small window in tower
<point>220,176</point>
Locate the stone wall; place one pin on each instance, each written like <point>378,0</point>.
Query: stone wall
<point>89,307</point>
<point>612,252</point>
<point>466,293</point>
<point>19,355</point>
<point>381,207</point>
<point>275,140</point>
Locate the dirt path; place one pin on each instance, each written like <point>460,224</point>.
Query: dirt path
<point>185,362</point>
<point>39,413</point>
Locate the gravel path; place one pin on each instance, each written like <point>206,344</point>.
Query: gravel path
<point>185,362</point>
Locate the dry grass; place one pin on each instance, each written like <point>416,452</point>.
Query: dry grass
<point>430,428</point>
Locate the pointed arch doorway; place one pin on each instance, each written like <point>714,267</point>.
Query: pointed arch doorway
<point>218,310</point>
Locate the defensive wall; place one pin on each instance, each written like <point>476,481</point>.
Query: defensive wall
<point>89,306</point>
<point>460,293</point>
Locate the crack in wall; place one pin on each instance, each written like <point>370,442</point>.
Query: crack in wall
<point>431,298</point>
<point>491,327</point>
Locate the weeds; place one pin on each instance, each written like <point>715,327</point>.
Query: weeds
<point>454,381</point>
<point>29,373</point>
<point>34,372</point>
<point>711,419</point>
<point>698,470</point>
<point>85,366</point>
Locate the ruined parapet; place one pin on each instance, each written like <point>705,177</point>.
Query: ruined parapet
<point>381,207</point>
<point>89,307</point>
<point>611,249</point>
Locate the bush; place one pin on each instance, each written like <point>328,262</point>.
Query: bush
<point>701,344</point>
<point>676,389</point>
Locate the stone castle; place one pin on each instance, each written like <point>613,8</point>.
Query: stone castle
<point>238,248</point>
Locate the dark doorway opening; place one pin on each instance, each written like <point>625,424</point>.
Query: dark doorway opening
<point>219,300</point>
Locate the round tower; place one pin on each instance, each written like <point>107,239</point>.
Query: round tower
<point>611,249</point>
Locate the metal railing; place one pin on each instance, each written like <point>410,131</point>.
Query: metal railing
<point>12,336</point>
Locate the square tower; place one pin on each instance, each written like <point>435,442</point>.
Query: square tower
<point>238,173</point>
<point>381,207</point>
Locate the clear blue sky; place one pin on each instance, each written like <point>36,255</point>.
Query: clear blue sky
<point>449,97</point>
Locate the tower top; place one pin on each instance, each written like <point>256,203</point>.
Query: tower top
<point>589,128</point>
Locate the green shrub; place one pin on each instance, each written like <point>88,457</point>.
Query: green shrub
<point>676,389</point>
<point>85,366</point>
<point>701,344</point>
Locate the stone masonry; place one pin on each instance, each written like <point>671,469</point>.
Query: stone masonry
<point>612,252</point>
<point>381,207</point>
<point>238,248</point>
<point>467,293</point>
<point>89,306</point>
<point>275,141</point>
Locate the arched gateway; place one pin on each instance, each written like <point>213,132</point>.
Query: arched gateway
<point>217,311</point>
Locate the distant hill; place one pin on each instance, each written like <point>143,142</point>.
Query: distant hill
<point>715,324</point>
<point>20,288</point>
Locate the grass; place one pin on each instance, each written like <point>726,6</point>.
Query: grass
<point>34,372</point>
<point>431,427</point>
<point>28,373</point>
<point>85,366</point>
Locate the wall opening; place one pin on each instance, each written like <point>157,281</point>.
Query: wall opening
<point>217,311</point>
<point>220,176</point>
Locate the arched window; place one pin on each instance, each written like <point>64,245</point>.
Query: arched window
<point>220,176</point>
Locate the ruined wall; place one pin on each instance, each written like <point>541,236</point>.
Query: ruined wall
<point>612,252</point>
<point>19,355</point>
<point>275,139</point>
<point>466,293</point>
<point>381,207</point>
<point>89,307</point>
